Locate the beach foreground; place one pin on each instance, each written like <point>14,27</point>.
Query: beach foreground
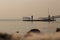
<point>30,36</point>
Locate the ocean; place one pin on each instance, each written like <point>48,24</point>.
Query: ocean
<point>23,26</point>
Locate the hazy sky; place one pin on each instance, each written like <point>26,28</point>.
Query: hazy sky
<point>20,8</point>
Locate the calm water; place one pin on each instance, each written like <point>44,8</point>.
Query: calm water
<point>24,27</point>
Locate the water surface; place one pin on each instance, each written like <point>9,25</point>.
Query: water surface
<point>23,27</point>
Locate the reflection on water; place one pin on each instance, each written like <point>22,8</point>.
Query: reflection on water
<point>23,27</point>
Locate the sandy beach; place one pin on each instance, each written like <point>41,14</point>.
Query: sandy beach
<point>32,36</point>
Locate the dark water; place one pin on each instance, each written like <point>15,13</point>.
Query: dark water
<point>24,27</point>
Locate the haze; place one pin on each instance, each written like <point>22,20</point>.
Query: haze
<point>11,9</point>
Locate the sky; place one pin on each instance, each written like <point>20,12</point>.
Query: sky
<point>16,9</point>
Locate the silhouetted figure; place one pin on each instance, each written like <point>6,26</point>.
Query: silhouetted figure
<point>34,31</point>
<point>31,18</point>
<point>58,30</point>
